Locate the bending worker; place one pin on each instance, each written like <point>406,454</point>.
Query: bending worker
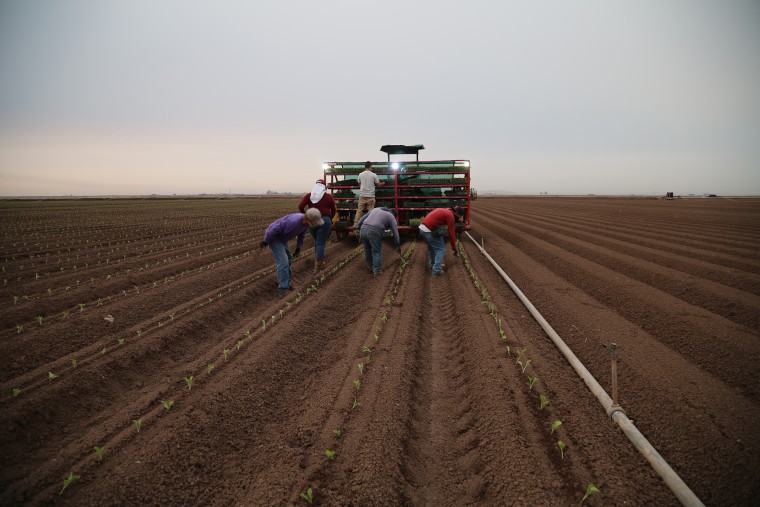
<point>434,227</point>
<point>277,236</point>
<point>371,228</point>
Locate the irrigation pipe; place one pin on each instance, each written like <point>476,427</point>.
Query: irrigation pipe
<point>672,480</point>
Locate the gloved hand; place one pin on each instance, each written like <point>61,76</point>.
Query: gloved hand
<point>263,244</point>
<point>297,252</point>
<point>456,253</point>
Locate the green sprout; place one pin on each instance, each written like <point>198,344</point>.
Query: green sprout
<point>137,423</point>
<point>71,478</point>
<point>39,319</point>
<point>16,391</point>
<point>52,376</point>
<point>189,381</point>
<point>121,341</point>
<point>139,332</point>
<point>358,384</point>
<point>590,490</point>
<point>225,353</point>
<point>66,314</point>
<point>524,365</point>
<point>19,328</point>
<point>355,404</point>
<point>330,454</point>
<point>531,381</point>
<point>74,363</point>
<point>561,446</point>
<point>308,496</point>
<point>361,367</point>
<point>210,368</point>
<point>544,401</point>
<point>167,404</point>
<point>556,424</point>
<point>366,350</point>
<point>337,432</point>
<point>104,350</point>
<point>239,344</point>
<point>99,451</point>
<point>81,307</point>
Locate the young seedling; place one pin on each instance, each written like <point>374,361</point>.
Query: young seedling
<point>139,332</point>
<point>531,381</point>
<point>71,478</point>
<point>210,368</point>
<point>524,365</point>
<point>239,344</point>
<point>81,307</point>
<point>337,432</point>
<point>99,451</point>
<point>19,328</point>
<point>74,363</point>
<point>39,319</point>
<point>308,496</point>
<point>52,376</point>
<point>358,384</point>
<point>167,404</point>
<point>561,446</point>
<point>66,314</point>
<point>556,424</point>
<point>121,341</point>
<point>544,401</point>
<point>16,391</point>
<point>590,490</point>
<point>189,381</point>
<point>137,423</point>
<point>330,454</point>
<point>355,404</point>
<point>225,353</point>
<point>361,367</point>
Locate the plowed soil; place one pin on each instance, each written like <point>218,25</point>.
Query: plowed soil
<point>110,310</point>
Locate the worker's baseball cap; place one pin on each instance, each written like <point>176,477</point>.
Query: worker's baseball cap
<point>321,181</point>
<point>459,211</point>
<point>314,217</point>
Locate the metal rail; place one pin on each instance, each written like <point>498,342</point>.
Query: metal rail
<point>671,479</point>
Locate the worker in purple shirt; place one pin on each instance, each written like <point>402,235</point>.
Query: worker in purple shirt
<point>371,228</point>
<point>277,236</point>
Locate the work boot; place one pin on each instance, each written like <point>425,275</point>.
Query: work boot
<point>319,266</point>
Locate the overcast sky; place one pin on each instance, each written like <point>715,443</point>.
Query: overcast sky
<point>565,97</point>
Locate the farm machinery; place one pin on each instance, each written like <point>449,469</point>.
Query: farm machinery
<point>412,187</point>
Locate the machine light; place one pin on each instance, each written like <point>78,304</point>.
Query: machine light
<point>395,166</point>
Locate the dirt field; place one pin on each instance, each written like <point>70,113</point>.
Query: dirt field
<point>412,381</point>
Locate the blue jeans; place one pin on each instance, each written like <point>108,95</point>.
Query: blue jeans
<point>372,239</point>
<point>283,259</point>
<point>321,234</point>
<point>436,251</point>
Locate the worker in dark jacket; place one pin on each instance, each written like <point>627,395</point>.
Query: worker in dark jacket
<point>320,199</point>
<point>371,228</point>
<point>277,236</point>
<point>440,218</point>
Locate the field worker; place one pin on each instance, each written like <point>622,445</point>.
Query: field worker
<point>323,201</point>
<point>367,182</point>
<point>371,227</point>
<point>431,230</point>
<point>277,236</point>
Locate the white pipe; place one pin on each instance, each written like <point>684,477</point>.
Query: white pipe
<point>672,480</point>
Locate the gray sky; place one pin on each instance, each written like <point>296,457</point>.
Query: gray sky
<point>566,97</point>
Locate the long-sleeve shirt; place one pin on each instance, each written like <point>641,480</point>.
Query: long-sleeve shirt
<point>382,219</point>
<point>442,216</point>
<point>326,205</point>
<point>286,228</point>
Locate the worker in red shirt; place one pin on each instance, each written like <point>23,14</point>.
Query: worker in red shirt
<point>322,200</point>
<point>434,228</point>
